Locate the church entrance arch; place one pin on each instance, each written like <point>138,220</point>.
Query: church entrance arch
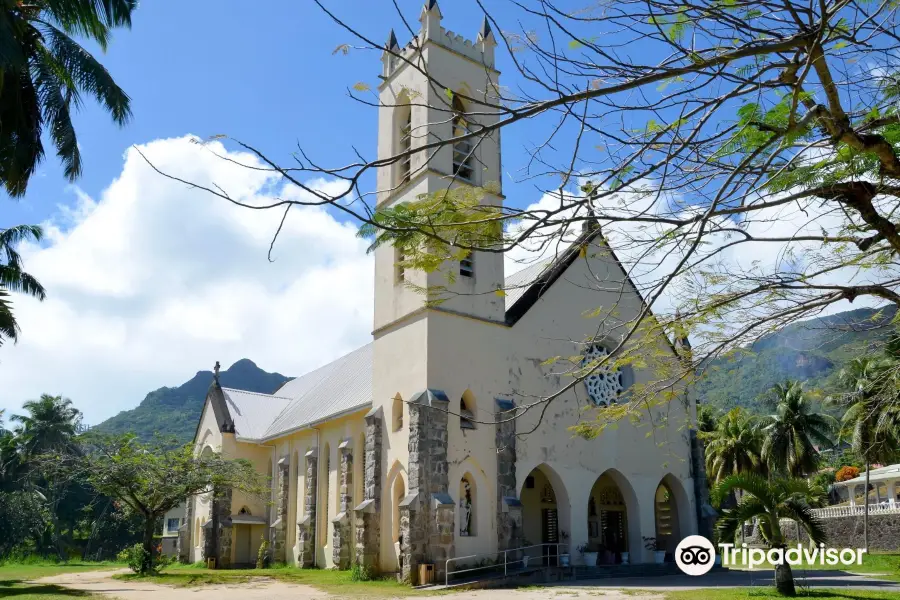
<point>545,513</point>
<point>671,509</point>
<point>612,520</point>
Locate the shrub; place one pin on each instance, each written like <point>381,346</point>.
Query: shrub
<point>846,473</point>
<point>135,557</point>
<point>360,573</point>
<point>262,555</point>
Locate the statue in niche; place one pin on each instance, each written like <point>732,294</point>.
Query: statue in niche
<point>465,510</point>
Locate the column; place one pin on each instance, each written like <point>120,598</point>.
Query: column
<point>509,509</point>
<point>368,513</point>
<point>306,527</point>
<point>282,495</point>
<point>341,535</point>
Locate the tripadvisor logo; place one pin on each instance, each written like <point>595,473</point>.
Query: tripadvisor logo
<point>695,555</point>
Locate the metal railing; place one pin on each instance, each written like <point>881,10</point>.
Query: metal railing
<point>506,563</point>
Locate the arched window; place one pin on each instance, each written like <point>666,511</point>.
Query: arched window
<point>462,149</point>
<point>404,136</point>
<point>467,265</point>
<point>245,511</point>
<point>197,531</point>
<point>397,413</point>
<point>467,410</point>
<point>467,503</point>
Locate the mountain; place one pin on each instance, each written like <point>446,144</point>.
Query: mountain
<point>175,411</point>
<point>813,351</point>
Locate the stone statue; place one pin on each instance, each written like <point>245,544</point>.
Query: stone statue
<point>465,511</point>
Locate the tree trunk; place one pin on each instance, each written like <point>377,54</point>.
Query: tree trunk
<point>866,512</point>
<point>147,563</point>
<point>784,580</point>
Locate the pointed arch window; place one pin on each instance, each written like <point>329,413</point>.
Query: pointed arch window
<point>405,133</point>
<point>467,411</point>
<point>467,265</point>
<point>397,413</point>
<point>462,149</point>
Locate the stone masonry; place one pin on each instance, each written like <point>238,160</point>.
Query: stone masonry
<point>282,495</point>
<point>509,509</point>
<point>185,532</point>
<point>706,516</point>
<point>306,528</point>
<point>424,512</point>
<point>368,513</point>
<point>341,543</point>
<point>217,538</point>
<point>846,532</point>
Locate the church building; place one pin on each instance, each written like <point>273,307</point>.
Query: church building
<point>429,443</point>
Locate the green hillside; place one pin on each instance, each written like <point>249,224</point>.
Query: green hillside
<point>175,411</point>
<point>812,351</point>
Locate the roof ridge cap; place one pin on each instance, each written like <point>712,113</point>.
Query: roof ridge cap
<point>254,393</point>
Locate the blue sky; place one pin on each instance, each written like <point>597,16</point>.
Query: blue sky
<point>148,281</point>
<point>265,75</point>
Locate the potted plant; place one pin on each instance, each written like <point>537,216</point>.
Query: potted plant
<point>588,554</point>
<point>564,549</point>
<point>656,546</point>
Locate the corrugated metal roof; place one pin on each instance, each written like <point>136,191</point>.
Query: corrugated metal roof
<point>518,283</point>
<point>253,413</point>
<point>346,386</point>
<point>339,387</point>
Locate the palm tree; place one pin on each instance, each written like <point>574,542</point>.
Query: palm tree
<point>43,73</point>
<point>768,501</point>
<point>792,432</point>
<point>734,446</point>
<point>870,420</point>
<point>13,278</point>
<point>51,424</point>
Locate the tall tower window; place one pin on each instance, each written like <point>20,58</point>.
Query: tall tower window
<point>405,145</point>
<point>400,270</point>
<point>462,149</point>
<point>467,266</point>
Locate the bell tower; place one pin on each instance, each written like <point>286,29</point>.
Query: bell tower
<point>437,87</point>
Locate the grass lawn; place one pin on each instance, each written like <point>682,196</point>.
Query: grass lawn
<point>749,593</point>
<point>886,565</point>
<point>334,582</point>
<point>13,578</point>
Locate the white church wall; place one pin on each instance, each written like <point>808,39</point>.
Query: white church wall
<point>553,327</point>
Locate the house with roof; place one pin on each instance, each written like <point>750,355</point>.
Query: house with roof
<point>436,441</point>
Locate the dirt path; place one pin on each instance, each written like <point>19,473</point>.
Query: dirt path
<point>101,582</point>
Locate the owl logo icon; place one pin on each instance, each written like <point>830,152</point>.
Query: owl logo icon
<point>695,555</point>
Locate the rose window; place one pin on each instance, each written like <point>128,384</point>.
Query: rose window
<point>604,384</point>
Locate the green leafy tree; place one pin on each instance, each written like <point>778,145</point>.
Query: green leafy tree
<point>871,417</point>
<point>790,435</point>
<point>768,501</point>
<point>734,446</point>
<point>43,74</point>
<point>51,424</point>
<point>745,131</point>
<point>151,479</point>
<point>12,276</point>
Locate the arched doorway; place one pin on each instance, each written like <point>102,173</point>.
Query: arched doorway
<point>545,513</point>
<point>608,521</point>
<point>671,508</point>
<point>666,512</point>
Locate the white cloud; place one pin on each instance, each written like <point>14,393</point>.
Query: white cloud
<point>153,281</point>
